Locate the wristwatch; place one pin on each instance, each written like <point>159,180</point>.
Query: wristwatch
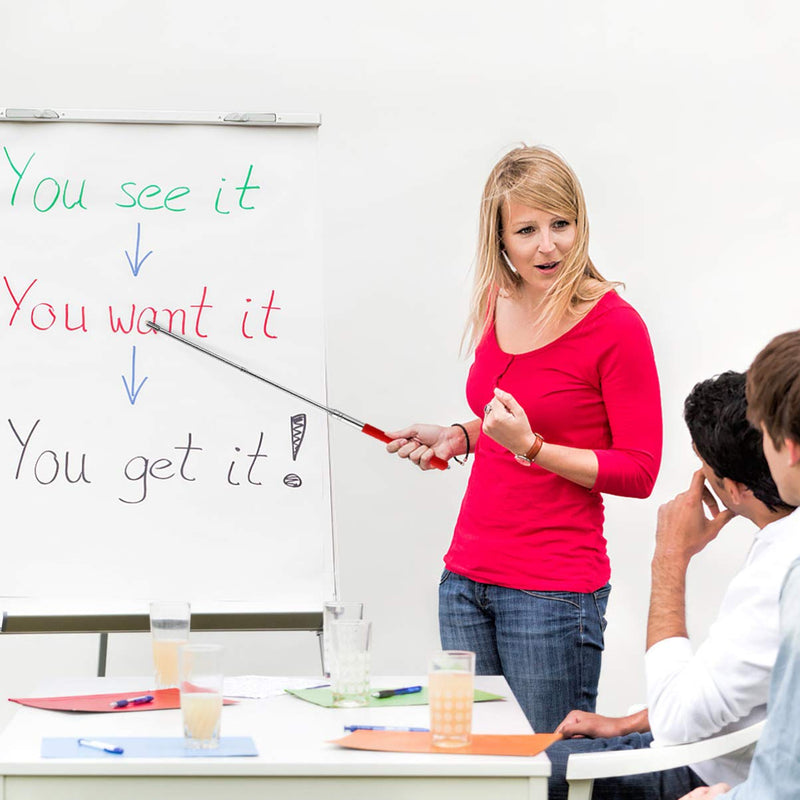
<point>528,458</point>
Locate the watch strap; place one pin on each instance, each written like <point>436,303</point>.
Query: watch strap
<point>530,456</point>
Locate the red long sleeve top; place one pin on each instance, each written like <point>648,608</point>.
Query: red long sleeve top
<point>595,387</point>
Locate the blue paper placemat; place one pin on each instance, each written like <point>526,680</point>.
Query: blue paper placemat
<point>147,747</point>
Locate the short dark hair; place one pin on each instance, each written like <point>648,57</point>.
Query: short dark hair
<point>716,414</point>
<point>773,389</point>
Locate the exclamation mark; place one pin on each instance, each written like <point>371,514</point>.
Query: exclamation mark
<point>298,428</point>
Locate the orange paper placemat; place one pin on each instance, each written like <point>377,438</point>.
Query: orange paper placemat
<point>481,744</point>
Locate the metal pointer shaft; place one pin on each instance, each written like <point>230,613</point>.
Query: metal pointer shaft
<point>364,427</point>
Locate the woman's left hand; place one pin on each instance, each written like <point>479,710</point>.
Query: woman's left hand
<point>506,422</point>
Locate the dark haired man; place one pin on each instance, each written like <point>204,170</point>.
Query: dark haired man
<point>728,446</point>
<point>723,685</point>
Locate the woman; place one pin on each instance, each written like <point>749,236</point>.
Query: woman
<point>567,404</point>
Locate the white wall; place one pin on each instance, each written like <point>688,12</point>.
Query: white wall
<point>680,119</point>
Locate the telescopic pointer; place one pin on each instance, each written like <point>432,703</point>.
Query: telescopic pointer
<point>375,433</point>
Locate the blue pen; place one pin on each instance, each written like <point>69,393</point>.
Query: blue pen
<point>393,692</point>
<point>352,728</point>
<point>133,701</point>
<point>104,746</point>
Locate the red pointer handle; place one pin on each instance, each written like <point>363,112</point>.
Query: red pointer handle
<point>376,433</point>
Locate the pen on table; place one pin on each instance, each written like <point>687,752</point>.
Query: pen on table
<point>132,701</point>
<point>392,692</point>
<point>104,746</point>
<point>352,728</point>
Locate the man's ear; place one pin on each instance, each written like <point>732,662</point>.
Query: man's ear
<point>736,491</point>
<point>792,450</point>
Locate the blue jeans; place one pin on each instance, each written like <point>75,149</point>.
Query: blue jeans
<point>548,645</point>
<point>670,784</point>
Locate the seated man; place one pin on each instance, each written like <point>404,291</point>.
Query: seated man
<point>773,393</point>
<point>723,686</point>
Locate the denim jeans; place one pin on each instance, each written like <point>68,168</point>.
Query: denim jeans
<point>670,784</point>
<point>548,645</point>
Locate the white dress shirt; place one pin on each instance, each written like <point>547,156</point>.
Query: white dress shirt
<point>724,685</point>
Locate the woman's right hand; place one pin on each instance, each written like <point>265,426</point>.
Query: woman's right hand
<point>420,443</point>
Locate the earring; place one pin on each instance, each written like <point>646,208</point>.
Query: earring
<point>508,261</point>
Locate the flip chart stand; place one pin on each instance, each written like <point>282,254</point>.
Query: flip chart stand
<point>140,623</point>
<point>14,616</point>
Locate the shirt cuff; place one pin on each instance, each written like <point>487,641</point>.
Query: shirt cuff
<point>663,660</point>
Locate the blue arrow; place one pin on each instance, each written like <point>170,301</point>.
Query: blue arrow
<point>132,395</point>
<point>138,265</point>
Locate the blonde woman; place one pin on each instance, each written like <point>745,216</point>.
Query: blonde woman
<point>567,404</point>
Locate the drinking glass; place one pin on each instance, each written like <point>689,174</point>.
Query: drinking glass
<point>334,610</point>
<point>349,662</point>
<point>169,626</point>
<point>450,694</point>
<point>201,694</point>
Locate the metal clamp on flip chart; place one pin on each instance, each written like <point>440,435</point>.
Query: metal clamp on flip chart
<point>244,118</point>
<point>24,114</point>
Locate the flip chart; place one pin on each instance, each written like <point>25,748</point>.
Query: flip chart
<point>132,468</point>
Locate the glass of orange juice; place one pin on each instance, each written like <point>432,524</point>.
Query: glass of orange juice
<point>450,693</point>
<point>201,694</point>
<point>169,626</point>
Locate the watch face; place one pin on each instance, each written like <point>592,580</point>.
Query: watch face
<point>526,462</point>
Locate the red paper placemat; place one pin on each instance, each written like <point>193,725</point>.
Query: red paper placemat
<point>162,698</point>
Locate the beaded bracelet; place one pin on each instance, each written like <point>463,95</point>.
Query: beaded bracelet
<point>466,436</point>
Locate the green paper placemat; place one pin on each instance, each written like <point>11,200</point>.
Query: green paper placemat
<point>324,697</point>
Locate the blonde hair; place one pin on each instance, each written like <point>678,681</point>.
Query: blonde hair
<point>538,178</point>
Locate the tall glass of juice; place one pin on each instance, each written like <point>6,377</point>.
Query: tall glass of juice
<point>169,626</point>
<point>201,694</point>
<point>450,694</point>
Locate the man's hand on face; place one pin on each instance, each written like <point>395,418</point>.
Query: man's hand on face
<point>683,528</point>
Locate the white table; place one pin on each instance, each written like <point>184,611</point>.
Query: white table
<point>295,759</point>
